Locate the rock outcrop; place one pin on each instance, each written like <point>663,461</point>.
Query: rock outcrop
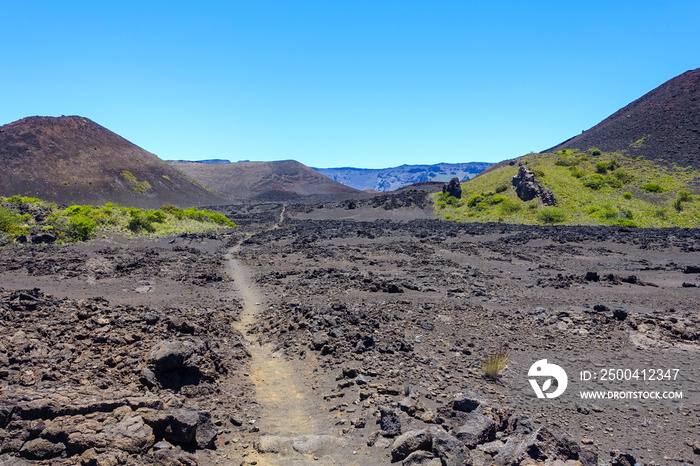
<point>527,187</point>
<point>453,188</point>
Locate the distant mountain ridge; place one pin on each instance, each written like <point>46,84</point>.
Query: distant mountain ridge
<point>276,181</point>
<point>390,179</point>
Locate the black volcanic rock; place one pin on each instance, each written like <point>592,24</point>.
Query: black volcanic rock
<point>662,125</point>
<point>453,188</point>
<point>527,187</point>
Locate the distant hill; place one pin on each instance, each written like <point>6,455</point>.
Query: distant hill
<point>390,179</point>
<point>71,159</point>
<point>265,181</point>
<point>662,125</point>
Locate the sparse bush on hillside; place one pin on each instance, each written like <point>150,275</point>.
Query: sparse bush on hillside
<point>497,199</point>
<point>501,188</point>
<point>661,214</point>
<point>447,199</point>
<point>11,223</point>
<point>509,207</point>
<point>652,188</point>
<point>627,195</point>
<point>474,200</point>
<point>595,152</point>
<point>567,160</point>
<point>685,196</point>
<point>601,167</point>
<point>577,172</point>
<point>594,181</point>
<point>623,176</point>
<point>551,215</point>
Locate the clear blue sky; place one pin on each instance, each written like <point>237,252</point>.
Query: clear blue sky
<point>340,83</point>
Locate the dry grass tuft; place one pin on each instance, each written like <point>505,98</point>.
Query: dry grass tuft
<point>495,362</point>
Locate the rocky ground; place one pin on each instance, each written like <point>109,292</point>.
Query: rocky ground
<point>297,340</point>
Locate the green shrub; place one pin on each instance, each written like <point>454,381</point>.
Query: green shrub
<point>652,188</point>
<point>607,212</point>
<point>551,215</point>
<point>623,176</point>
<point>627,195</point>
<point>11,222</point>
<point>613,182</point>
<point>509,207</point>
<point>594,181</point>
<point>80,228</point>
<point>678,205</point>
<point>174,211</point>
<point>625,222</point>
<point>661,214</point>
<point>501,188</point>
<point>497,199</point>
<point>139,221</point>
<point>577,172</point>
<point>685,196</point>
<point>155,216</point>
<point>474,200</point>
<point>22,200</point>
<point>565,160</point>
<point>595,152</point>
<point>601,167</point>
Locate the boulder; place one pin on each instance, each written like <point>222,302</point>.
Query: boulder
<point>41,449</point>
<point>467,402</point>
<point>453,188</point>
<point>191,426</point>
<point>527,187</point>
<point>131,435</point>
<point>407,443</point>
<point>549,442</point>
<point>449,449</point>
<point>389,422</point>
<point>477,430</point>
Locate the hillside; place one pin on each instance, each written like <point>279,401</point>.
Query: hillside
<point>390,179</point>
<point>638,167</point>
<point>71,159</point>
<point>265,181</point>
<point>608,189</point>
<point>663,125</point>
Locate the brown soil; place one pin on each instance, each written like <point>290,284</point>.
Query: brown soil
<point>325,339</point>
<point>662,125</point>
<point>71,159</point>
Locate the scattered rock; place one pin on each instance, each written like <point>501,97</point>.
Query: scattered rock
<point>389,422</point>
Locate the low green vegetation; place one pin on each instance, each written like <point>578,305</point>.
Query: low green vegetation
<point>591,187</point>
<point>136,185</point>
<point>82,222</point>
